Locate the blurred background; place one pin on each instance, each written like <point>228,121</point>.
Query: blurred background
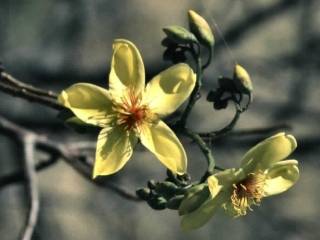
<point>55,43</point>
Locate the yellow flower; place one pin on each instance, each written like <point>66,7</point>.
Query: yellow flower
<point>128,111</point>
<point>262,173</point>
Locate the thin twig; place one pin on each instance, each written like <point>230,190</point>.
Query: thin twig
<point>205,150</point>
<point>28,142</point>
<point>71,155</point>
<point>25,93</point>
<point>27,139</point>
<point>26,87</point>
<point>19,176</point>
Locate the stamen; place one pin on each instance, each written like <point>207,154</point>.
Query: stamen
<point>248,192</point>
<point>131,112</point>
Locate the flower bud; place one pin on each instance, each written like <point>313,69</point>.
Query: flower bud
<point>143,193</point>
<point>242,79</point>
<point>157,203</point>
<point>200,27</point>
<point>166,189</point>
<point>152,184</point>
<point>179,34</point>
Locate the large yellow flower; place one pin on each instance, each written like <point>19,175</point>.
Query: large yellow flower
<point>128,111</point>
<point>261,174</point>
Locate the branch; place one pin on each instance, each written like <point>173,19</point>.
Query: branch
<point>69,153</point>
<point>19,176</point>
<point>28,142</point>
<point>26,87</point>
<point>14,87</point>
<point>27,139</point>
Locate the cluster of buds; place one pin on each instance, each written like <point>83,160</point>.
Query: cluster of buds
<point>167,194</point>
<point>179,39</point>
<point>232,89</point>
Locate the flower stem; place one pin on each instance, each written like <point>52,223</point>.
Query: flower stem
<point>209,59</point>
<point>205,150</point>
<point>194,95</point>
<point>225,129</point>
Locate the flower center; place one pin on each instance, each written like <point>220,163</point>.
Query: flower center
<point>131,113</point>
<point>247,192</point>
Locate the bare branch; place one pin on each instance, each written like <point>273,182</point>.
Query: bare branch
<point>70,154</point>
<point>19,176</point>
<point>28,142</point>
<point>26,87</point>
<point>12,86</point>
<point>27,139</point>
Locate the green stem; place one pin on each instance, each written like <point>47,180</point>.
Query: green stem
<point>205,150</point>
<point>225,129</point>
<point>209,59</point>
<point>194,95</point>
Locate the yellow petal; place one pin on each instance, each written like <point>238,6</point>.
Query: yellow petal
<point>281,176</point>
<point>268,152</point>
<point>127,69</point>
<point>168,90</point>
<point>214,187</point>
<point>165,145</point>
<point>229,176</point>
<point>88,102</point>
<point>203,214</point>
<point>114,148</point>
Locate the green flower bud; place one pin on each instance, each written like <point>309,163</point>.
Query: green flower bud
<point>179,34</point>
<point>166,189</point>
<point>242,79</point>
<point>143,193</point>
<point>152,184</point>
<point>158,203</point>
<point>194,198</point>
<point>174,203</point>
<point>200,27</point>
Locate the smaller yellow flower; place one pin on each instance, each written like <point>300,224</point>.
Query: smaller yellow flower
<point>128,110</point>
<point>262,173</point>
